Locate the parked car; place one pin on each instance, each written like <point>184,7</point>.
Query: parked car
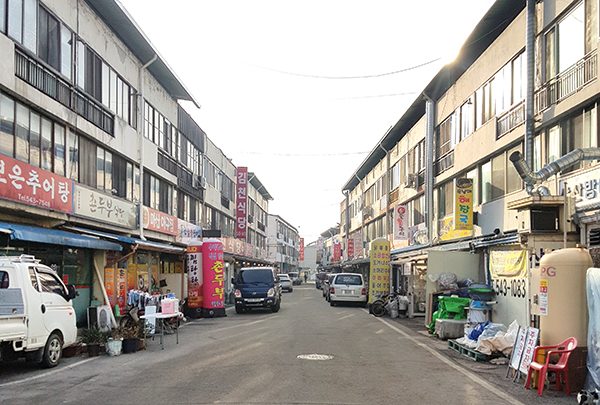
<point>295,277</point>
<point>286,282</point>
<point>326,286</point>
<point>256,287</point>
<point>26,285</point>
<point>319,279</point>
<point>348,287</point>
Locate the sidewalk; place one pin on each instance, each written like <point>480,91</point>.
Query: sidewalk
<point>493,374</point>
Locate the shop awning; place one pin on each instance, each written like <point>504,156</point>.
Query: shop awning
<point>55,237</point>
<point>144,244</point>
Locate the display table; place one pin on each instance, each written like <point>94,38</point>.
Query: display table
<point>161,318</point>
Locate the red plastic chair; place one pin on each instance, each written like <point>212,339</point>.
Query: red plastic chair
<point>564,350</point>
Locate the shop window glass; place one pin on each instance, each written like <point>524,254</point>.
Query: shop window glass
<point>571,39</point>
<point>100,168</point>
<point>73,156</point>
<point>2,16</point>
<point>30,25</point>
<point>498,173</point>
<point>22,134</point>
<point>554,144</point>
<point>59,150</point>
<point>34,140</point>
<point>537,153</point>
<point>46,144</point>
<point>590,132</point>
<point>66,39</point>
<point>15,19</point>
<point>7,126</point>
<point>486,182</point>
<point>108,171</point>
<point>513,180</point>
<point>473,176</point>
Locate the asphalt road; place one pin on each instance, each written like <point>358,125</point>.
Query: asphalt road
<point>307,353</point>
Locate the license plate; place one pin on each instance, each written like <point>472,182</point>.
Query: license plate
<point>254,299</point>
<point>347,291</point>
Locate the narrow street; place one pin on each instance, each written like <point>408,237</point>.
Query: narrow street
<point>254,358</point>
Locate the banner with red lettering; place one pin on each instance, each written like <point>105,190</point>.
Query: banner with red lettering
<point>350,249</point>
<point>194,270</point>
<point>241,202</point>
<point>160,222</point>
<point>337,252</point>
<point>301,252</point>
<point>213,274</point>
<point>31,185</point>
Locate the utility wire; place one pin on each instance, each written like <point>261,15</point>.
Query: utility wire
<point>346,77</point>
<point>303,154</point>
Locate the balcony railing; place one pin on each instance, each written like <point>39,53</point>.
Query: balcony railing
<point>43,79</point>
<point>567,83</point>
<point>510,119</point>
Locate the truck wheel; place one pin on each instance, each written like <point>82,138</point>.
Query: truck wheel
<point>52,351</point>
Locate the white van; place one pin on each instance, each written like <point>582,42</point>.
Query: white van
<point>37,318</point>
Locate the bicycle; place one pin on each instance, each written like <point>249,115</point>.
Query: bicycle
<point>380,306</point>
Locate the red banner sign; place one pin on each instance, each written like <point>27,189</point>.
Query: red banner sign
<point>301,248</point>
<point>160,222</point>
<point>350,249</point>
<point>31,185</point>
<point>241,204</point>
<point>337,252</point>
<point>194,270</point>
<point>213,274</point>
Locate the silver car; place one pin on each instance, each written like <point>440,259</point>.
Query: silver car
<point>348,287</point>
<point>286,282</point>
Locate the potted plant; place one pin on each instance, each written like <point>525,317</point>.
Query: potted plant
<point>131,342</point>
<point>115,342</point>
<point>94,338</point>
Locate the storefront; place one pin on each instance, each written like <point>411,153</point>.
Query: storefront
<point>70,255</point>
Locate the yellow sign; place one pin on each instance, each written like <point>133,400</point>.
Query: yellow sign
<point>449,232</point>
<point>508,262</point>
<point>463,205</point>
<point>379,277</point>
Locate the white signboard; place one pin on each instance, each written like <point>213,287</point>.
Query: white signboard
<point>187,232</point>
<point>101,207</point>
<point>400,222</point>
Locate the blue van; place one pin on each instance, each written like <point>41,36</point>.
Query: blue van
<point>256,287</point>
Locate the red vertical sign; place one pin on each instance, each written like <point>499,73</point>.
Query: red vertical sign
<point>350,249</point>
<point>241,203</point>
<point>301,249</point>
<point>337,252</point>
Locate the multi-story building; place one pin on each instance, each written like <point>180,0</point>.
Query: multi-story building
<point>468,124</point>
<point>103,175</point>
<point>282,244</point>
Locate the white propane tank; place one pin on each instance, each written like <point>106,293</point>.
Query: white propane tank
<point>563,298</point>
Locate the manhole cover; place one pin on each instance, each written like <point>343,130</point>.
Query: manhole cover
<point>315,357</point>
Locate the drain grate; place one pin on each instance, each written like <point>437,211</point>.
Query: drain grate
<point>315,357</point>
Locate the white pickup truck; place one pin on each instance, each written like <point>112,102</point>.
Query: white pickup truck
<point>37,318</point>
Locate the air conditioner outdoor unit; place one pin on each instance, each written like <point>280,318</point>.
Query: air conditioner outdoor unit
<point>199,181</point>
<point>410,181</point>
<point>100,316</point>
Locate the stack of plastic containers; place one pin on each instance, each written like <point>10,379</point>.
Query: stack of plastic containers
<point>479,310</point>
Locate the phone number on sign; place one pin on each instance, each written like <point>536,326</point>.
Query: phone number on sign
<point>510,287</point>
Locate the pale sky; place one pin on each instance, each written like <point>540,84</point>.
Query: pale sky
<point>299,91</point>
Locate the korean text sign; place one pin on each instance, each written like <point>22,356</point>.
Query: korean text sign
<point>400,222</point>
<point>213,274</point>
<point>194,270</point>
<point>301,249</point>
<point>463,205</point>
<point>379,277</point>
<point>241,202</point>
<point>31,185</point>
